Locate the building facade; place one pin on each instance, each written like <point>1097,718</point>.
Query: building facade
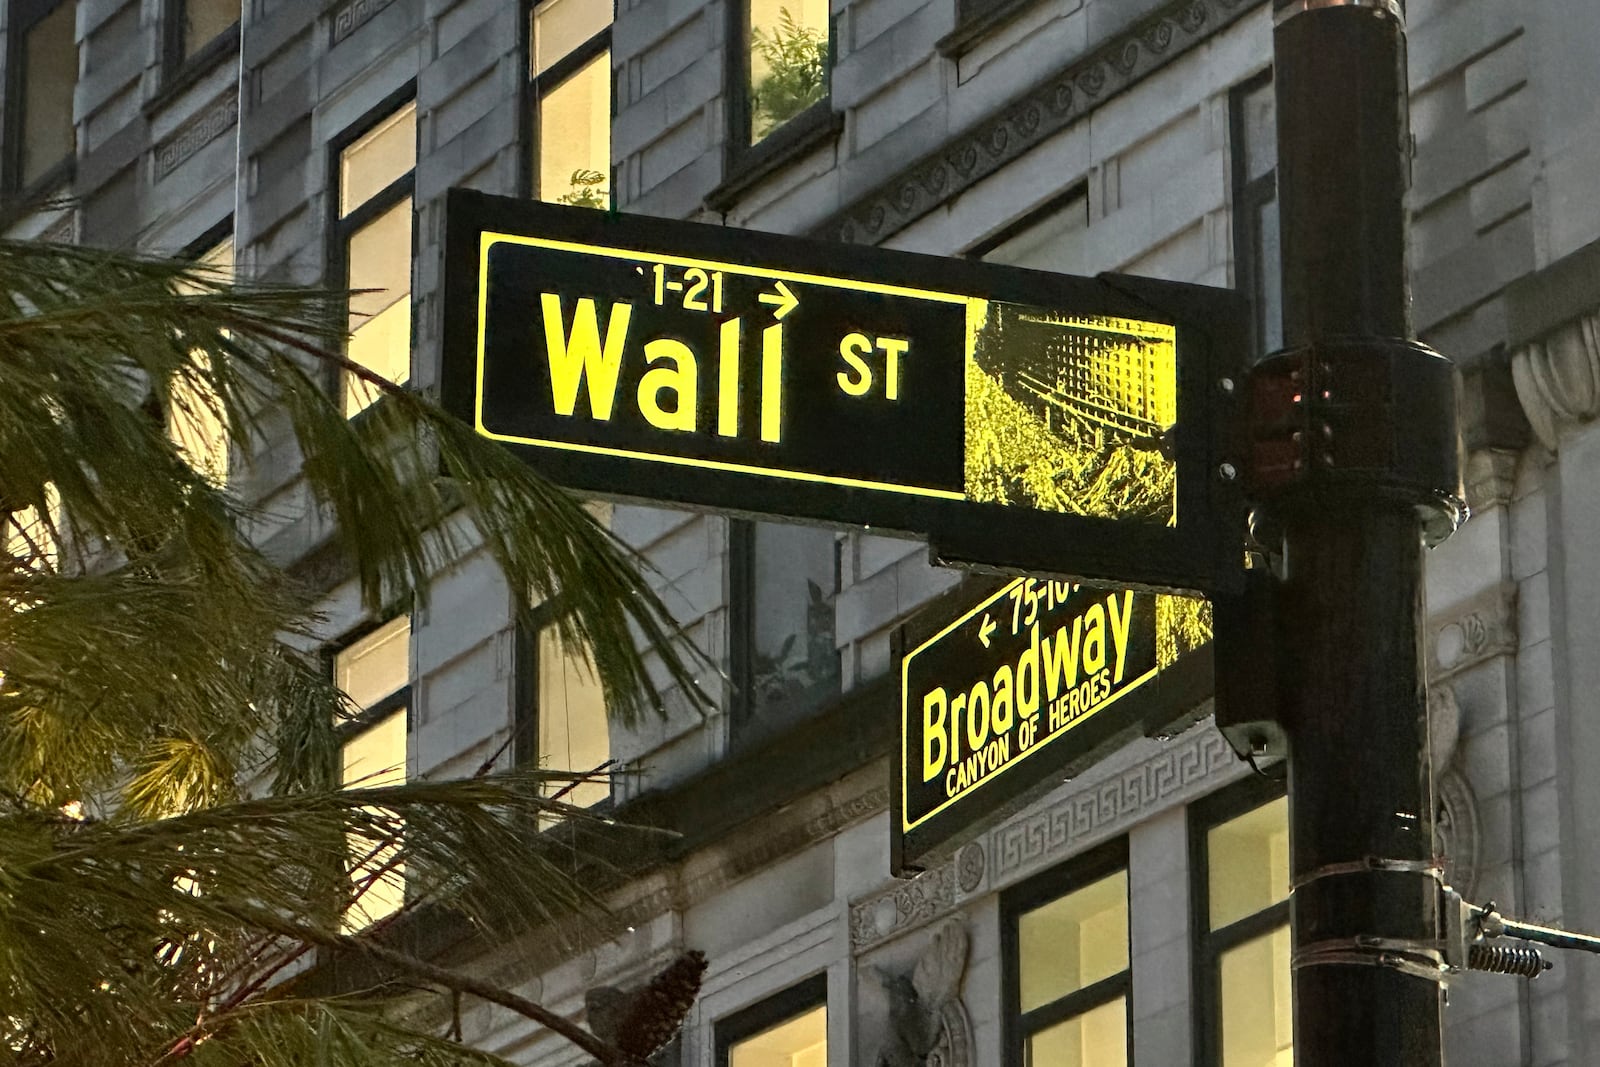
<point>1138,912</point>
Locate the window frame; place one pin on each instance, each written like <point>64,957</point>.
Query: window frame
<point>743,726</point>
<point>525,710</point>
<point>744,163</point>
<point>178,69</point>
<point>340,230</point>
<point>780,1007</point>
<point>381,709</point>
<point>1082,870</point>
<point>23,16</point>
<point>975,19</point>
<point>1078,190</point>
<point>1249,197</point>
<point>537,86</point>
<point>1209,945</point>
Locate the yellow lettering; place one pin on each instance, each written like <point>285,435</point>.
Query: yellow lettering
<point>571,355</point>
<point>1094,639</point>
<point>1120,621</point>
<point>893,349</point>
<point>1061,659</point>
<point>682,378</point>
<point>728,380</point>
<point>852,348</point>
<point>977,717</point>
<point>1002,699</point>
<point>957,706</point>
<point>772,382</point>
<point>932,733</point>
<point>1028,678</point>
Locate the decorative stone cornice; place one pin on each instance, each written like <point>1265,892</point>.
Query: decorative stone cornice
<point>1026,122</point>
<point>211,123</point>
<point>1490,477</point>
<point>1558,378</point>
<point>348,18</point>
<point>1477,630</point>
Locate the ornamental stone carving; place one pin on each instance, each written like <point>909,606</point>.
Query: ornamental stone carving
<point>1558,378</point>
<point>927,1024</point>
<point>1480,629</point>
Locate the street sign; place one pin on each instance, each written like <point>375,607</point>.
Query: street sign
<point>1011,417</point>
<point>1031,682</point>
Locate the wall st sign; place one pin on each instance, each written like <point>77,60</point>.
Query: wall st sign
<point>1013,418</point>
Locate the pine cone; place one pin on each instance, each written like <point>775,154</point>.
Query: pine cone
<point>658,1010</point>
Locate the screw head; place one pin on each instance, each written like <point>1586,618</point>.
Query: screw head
<point>1227,472</point>
<point>1226,385</point>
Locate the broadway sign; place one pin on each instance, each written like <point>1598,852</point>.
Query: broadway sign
<point>1016,419</point>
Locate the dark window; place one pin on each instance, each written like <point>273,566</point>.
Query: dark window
<point>1239,855</point>
<point>569,101</point>
<point>559,715</point>
<point>1252,118</point>
<point>43,67</point>
<point>199,31</point>
<point>372,246</point>
<point>789,1029</point>
<point>975,18</point>
<point>780,61</point>
<point>1054,237</point>
<point>784,588</point>
<point>1065,940</point>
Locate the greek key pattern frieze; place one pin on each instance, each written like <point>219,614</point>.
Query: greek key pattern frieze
<point>181,145</point>
<point>1054,105</point>
<point>1194,762</point>
<point>350,17</point>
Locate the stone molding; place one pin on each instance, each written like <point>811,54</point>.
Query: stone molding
<point>1490,478</point>
<point>211,123</point>
<point>1558,378</point>
<point>1477,630</point>
<point>1025,122</point>
<point>348,18</point>
<point>1193,763</point>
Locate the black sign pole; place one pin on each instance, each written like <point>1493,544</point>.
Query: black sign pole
<point>1355,444</point>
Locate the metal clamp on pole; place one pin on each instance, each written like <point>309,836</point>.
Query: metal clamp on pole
<point>1288,9</point>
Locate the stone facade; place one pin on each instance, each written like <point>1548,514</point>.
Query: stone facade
<point>946,139</point>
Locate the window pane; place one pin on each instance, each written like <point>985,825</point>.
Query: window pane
<point>1260,133</point>
<point>31,541</point>
<point>1257,1017</point>
<point>1269,280</point>
<point>1074,941</point>
<point>800,1042</point>
<point>1055,243</point>
<point>376,665</point>
<point>559,26</point>
<point>1097,1038</point>
<point>194,417</point>
<point>575,137</point>
<point>788,61</point>
<point>49,72</point>
<point>1248,859</point>
<point>369,165</point>
<point>380,320</point>
<point>204,21</point>
<point>373,758</point>
<point>794,662</point>
<point>573,735</point>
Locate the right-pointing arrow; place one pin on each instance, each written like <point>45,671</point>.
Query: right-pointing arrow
<point>784,299</point>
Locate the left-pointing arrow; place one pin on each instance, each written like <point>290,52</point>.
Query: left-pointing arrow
<point>784,299</point>
<point>985,628</point>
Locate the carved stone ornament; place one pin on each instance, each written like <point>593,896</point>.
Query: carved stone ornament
<point>1558,378</point>
<point>903,907</point>
<point>1458,831</point>
<point>1480,629</point>
<point>928,1025</point>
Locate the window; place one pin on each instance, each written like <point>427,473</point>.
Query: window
<point>785,583</point>
<point>193,417</point>
<point>198,30</point>
<point>1052,238</point>
<point>43,72</point>
<point>1253,118</point>
<point>782,66</point>
<point>374,671</point>
<point>1240,847</point>
<point>786,1030</point>
<point>569,94</point>
<point>1067,977</point>
<point>560,712</point>
<point>372,234</point>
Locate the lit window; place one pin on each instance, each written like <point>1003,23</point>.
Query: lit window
<point>787,1030</point>
<point>374,232</point>
<point>194,417</point>
<point>786,63</point>
<point>569,72</point>
<point>31,539</point>
<point>44,75</point>
<point>561,716</point>
<point>192,25</point>
<point>1066,936</point>
<point>785,587</point>
<point>1245,985</point>
<point>374,671</point>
